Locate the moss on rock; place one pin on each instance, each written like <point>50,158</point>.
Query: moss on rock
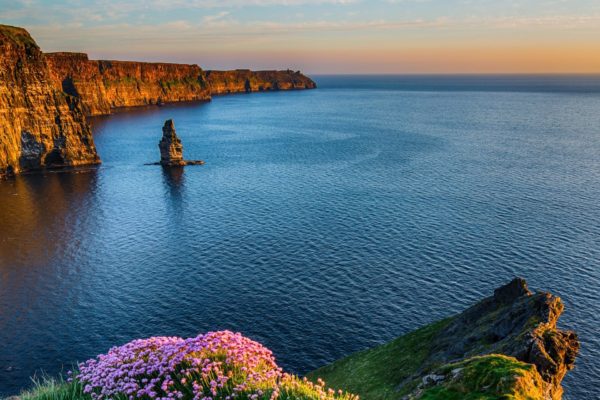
<point>491,377</point>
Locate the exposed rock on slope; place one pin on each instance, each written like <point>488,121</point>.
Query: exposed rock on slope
<point>40,126</point>
<point>244,80</point>
<point>104,85</point>
<point>507,344</point>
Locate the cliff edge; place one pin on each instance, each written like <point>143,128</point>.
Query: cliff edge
<point>103,85</point>
<point>44,98</point>
<point>246,81</point>
<point>40,126</point>
<point>506,346</point>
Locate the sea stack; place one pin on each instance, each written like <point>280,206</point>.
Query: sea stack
<point>171,149</point>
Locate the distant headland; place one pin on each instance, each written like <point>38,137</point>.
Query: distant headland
<point>45,98</point>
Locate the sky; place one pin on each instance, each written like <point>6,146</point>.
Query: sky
<point>325,36</point>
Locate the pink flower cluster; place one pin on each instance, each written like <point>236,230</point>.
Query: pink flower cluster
<point>216,365</point>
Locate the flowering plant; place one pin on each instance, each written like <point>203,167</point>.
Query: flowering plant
<point>214,366</point>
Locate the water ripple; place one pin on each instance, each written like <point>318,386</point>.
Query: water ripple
<point>324,222</point>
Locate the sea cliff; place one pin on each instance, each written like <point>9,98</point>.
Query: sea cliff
<point>44,98</point>
<point>40,125</point>
<point>104,85</point>
<point>245,81</point>
<point>507,346</point>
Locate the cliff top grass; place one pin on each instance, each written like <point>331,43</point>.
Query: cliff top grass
<point>376,374</point>
<point>220,365</point>
<point>17,35</point>
<point>391,371</point>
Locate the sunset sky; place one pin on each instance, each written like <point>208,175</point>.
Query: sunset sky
<point>325,36</point>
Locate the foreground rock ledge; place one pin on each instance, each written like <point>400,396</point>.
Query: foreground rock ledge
<point>505,346</point>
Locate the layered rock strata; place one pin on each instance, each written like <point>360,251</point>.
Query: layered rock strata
<point>105,85</point>
<point>245,81</point>
<point>44,98</point>
<point>171,149</point>
<point>40,125</point>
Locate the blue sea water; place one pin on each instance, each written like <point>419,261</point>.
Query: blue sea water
<point>324,221</point>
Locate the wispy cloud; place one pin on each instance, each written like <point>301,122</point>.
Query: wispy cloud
<point>191,29</point>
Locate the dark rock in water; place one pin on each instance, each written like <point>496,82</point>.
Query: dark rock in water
<point>171,149</point>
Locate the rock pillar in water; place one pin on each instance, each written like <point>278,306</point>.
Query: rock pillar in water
<point>171,149</point>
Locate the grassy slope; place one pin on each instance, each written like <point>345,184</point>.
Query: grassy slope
<point>375,374</point>
<point>387,373</point>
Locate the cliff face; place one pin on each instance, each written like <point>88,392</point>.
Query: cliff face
<point>40,126</point>
<point>244,81</point>
<point>44,98</point>
<point>506,346</point>
<point>104,85</point>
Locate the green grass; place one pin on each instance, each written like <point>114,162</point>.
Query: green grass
<point>377,373</point>
<point>290,388</point>
<point>395,369</point>
<point>54,389</point>
<point>491,377</point>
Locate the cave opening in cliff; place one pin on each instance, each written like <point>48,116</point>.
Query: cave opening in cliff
<point>54,159</point>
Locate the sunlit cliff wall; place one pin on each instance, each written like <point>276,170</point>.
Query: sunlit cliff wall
<point>244,80</point>
<point>40,126</point>
<point>104,85</point>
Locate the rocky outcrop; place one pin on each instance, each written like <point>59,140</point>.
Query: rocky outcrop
<point>505,345</point>
<point>40,126</point>
<point>517,323</point>
<point>171,149</point>
<point>245,81</point>
<point>105,85</point>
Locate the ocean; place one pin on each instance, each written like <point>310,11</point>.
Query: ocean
<point>324,221</point>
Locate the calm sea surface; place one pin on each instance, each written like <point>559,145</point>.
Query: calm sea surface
<point>323,222</point>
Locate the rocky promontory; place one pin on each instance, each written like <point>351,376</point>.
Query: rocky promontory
<point>246,81</point>
<point>505,346</point>
<point>40,126</point>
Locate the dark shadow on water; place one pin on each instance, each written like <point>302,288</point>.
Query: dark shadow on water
<point>174,179</point>
<point>44,218</point>
<point>41,211</point>
<point>174,182</point>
